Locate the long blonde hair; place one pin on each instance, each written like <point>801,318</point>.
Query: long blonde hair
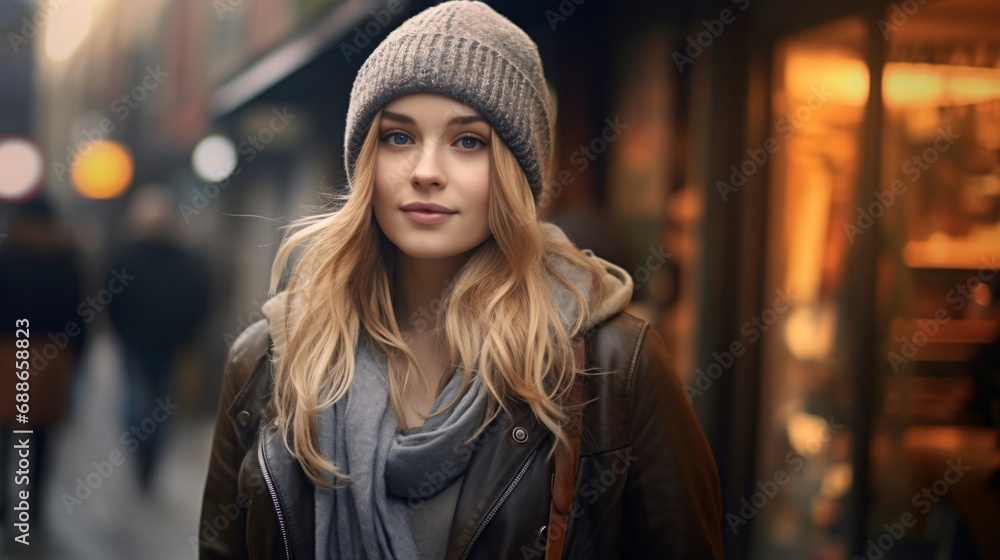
<point>498,317</point>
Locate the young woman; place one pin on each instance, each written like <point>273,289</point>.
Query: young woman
<point>413,391</point>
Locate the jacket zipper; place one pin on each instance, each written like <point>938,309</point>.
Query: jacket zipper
<point>496,506</point>
<point>274,496</point>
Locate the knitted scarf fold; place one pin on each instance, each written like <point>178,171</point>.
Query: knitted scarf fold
<point>388,471</point>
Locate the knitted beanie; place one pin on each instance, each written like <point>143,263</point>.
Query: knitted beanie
<point>466,50</point>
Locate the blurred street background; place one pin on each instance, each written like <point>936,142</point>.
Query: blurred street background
<point>807,196</point>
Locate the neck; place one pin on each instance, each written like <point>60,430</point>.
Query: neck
<point>421,286</point>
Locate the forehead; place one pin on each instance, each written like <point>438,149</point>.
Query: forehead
<point>431,108</point>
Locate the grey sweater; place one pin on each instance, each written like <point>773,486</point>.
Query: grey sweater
<point>430,521</point>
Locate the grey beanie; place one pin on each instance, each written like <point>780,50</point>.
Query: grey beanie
<point>466,50</point>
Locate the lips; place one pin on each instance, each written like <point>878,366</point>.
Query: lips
<point>427,208</point>
<point>427,213</point>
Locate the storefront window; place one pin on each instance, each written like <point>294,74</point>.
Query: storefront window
<point>933,450</point>
<point>799,503</point>
<point>934,220</point>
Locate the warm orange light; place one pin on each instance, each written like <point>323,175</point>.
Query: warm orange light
<point>904,84</point>
<point>807,433</point>
<point>975,86</point>
<point>908,84</point>
<point>936,85</point>
<point>103,172</point>
<point>844,77</point>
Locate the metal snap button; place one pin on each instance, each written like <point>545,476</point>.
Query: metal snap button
<point>519,434</point>
<point>243,418</point>
<point>542,533</point>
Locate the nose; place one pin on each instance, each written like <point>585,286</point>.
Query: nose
<point>427,172</point>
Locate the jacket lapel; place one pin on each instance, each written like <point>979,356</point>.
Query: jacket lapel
<point>498,456</point>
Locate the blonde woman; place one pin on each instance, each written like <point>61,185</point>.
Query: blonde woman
<point>444,375</point>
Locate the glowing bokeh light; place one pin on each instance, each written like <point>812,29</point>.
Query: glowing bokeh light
<point>66,25</point>
<point>214,158</point>
<point>103,172</point>
<point>21,168</point>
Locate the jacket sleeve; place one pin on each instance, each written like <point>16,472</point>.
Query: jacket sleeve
<point>672,498</point>
<point>222,527</point>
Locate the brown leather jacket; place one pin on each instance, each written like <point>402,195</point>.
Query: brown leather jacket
<point>647,485</point>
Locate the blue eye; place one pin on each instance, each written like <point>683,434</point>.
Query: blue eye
<point>470,142</point>
<point>395,135</point>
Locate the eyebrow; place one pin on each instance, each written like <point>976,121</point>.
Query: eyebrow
<point>454,121</point>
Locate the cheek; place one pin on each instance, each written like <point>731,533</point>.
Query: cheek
<point>480,190</point>
<point>379,190</point>
<point>483,201</point>
<point>384,185</point>
<point>479,197</point>
<point>382,200</point>
<point>390,170</point>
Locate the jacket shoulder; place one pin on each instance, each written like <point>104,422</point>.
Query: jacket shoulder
<point>618,338</point>
<point>613,352</point>
<point>248,382</point>
<point>247,351</point>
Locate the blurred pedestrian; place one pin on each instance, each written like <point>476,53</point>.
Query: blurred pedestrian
<point>164,298</point>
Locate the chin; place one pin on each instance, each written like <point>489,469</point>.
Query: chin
<point>434,245</point>
<point>431,250</point>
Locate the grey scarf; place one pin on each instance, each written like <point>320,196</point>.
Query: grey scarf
<point>388,470</point>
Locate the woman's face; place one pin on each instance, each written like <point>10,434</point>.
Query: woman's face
<point>432,149</point>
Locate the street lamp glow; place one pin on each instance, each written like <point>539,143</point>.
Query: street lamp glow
<point>214,158</point>
<point>66,25</point>
<point>20,168</point>
<point>105,171</point>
